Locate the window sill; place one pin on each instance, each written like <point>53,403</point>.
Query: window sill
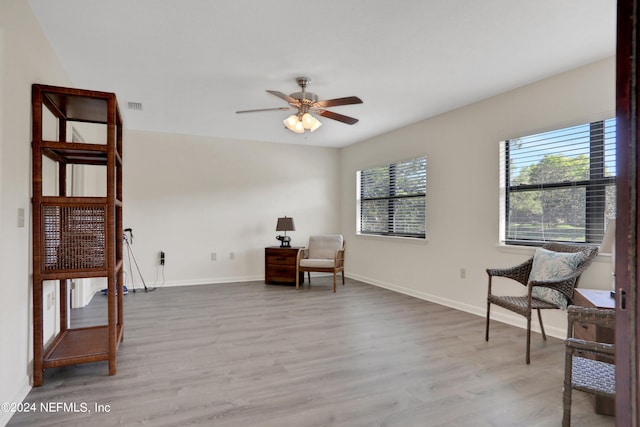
<point>530,250</point>
<point>515,249</point>
<point>397,239</point>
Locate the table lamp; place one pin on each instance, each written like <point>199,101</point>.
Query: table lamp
<point>285,224</point>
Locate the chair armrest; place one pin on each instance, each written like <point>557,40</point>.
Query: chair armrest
<point>564,285</point>
<point>519,273</point>
<point>302,254</point>
<point>551,283</point>
<point>591,347</point>
<point>605,318</point>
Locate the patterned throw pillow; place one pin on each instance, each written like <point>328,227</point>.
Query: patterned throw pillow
<point>549,265</point>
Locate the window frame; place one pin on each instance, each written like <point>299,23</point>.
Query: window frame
<point>595,188</point>
<point>390,230</point>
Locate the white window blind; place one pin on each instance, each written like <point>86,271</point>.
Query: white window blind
<point>560,185</point>
<point>392,199</point>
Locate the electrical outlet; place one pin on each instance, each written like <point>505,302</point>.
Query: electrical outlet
<point>214,256</point>
<point>162,258</point>
<point>20,217</point>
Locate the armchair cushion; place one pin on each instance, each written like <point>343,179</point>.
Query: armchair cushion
<point>317,263</point>
<point>550,265</point>
<point>325,246</point>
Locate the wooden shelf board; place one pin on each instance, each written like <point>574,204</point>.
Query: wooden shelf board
<point>82,345</point>
<point>75,106</point>
<point>55,274</point>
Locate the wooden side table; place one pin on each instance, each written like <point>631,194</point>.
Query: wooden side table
<point>280,265</point>
<point>596,298</point>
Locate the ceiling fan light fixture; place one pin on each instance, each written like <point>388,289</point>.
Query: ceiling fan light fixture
<point>316,125</point>
<point>290,122</point>
<point>298,124</point>
<point>308,120</point>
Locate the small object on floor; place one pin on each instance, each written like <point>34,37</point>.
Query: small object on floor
<point>124,288</point>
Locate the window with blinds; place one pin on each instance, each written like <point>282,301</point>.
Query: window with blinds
<point>392,199</point>
<point>559,185</point>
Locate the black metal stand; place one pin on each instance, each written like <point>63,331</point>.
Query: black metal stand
<point>130,256</point>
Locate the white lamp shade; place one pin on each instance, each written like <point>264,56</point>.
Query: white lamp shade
<point>609,246</point>
<point>308,120</point>
<point>290,122</point>
<point>609,239</point>
<point>316,125</point>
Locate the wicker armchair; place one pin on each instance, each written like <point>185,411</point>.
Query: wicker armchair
<point>595,373</point>
<point>524,305</point>
<point>324,254</point>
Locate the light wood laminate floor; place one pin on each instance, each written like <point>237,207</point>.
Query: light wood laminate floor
<point>249,354</point>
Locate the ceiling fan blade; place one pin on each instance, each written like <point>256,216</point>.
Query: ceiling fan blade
<point>265,109</point>
<point>339,117</point>
<point>287,98</point>
<point>338,101</point>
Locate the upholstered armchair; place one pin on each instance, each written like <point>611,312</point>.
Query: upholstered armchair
<point>550,277</point>
<point>325,253</point>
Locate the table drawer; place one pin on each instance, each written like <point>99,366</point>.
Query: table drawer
<point>281,260</point>
<point>584,332</point>
<point>282,274</point>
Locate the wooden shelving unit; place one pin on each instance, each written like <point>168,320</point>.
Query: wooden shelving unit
<point>76,237</point>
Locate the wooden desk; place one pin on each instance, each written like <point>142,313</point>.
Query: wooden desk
<point>595,298</point>
<point>599,299</point>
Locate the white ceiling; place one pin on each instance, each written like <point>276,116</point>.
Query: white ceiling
<point>193,63</point>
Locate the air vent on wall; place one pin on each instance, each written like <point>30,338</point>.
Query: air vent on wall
<point>135,106</point>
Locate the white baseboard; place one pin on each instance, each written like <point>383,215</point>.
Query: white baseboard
<point>219,280</point>
<point>209,281</point>
<point>19,397</point>
<point>499,316</point>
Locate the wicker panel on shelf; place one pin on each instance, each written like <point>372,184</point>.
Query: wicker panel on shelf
<point>74,237</point>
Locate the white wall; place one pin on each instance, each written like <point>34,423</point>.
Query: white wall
<point>25,58</point>
<point>462,192</point>
<point>190,196</point>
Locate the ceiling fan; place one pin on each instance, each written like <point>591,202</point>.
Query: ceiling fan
<point>306,103</point>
